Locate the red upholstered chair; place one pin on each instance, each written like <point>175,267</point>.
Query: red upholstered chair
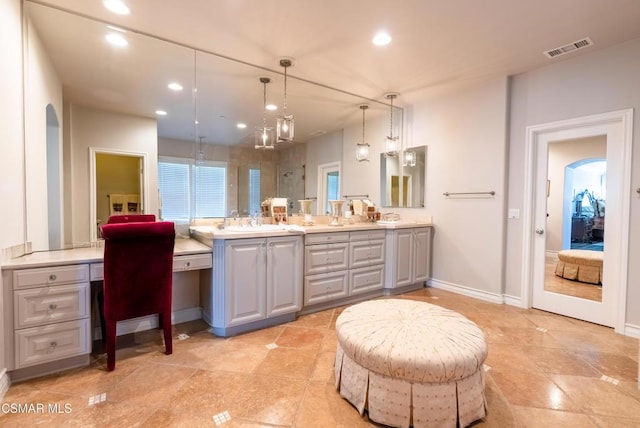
<point>138,267</point>
<point>131,218</point>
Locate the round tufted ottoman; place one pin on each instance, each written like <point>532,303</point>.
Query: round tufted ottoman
<point>411,363</point>
<point>580,265</point>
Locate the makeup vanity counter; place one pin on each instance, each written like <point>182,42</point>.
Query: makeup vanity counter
<point>46,305</point>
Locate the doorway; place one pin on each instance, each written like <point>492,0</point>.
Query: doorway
<point>328,186</point>
<point>615,127</point>
<point>118,185</point>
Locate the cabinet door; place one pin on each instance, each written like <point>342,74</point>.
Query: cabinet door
<point>284,275</point>
<point>404,258</point>
<point>421,254</point>
<point>245,262</point>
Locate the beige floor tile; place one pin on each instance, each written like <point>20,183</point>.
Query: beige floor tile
<point>545,418</point>
<point>150,385</point>
<point>316,320</point>
<point>560,361</point>
<point>323,368</point>
<point>288,363</point>
<point>235,356</point>
<point>531,389</point>
<point>597,397</point>
<point>300,337</point>
<point>323,407</point>
<point>269,400</point>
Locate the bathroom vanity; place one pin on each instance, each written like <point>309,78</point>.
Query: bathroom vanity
<point>267,276</point>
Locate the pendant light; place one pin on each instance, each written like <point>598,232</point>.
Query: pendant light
<point>264,134</point>
<point>362,150</point>
<point>285,123</point>
<point>409,158</point>
<point>391,143</point>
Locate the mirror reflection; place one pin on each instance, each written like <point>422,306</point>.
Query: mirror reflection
<point>402,178</point>
<point>190,113</point>
<point>576,200</point>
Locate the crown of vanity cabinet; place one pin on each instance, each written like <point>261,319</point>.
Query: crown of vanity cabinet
<point>256,283</point>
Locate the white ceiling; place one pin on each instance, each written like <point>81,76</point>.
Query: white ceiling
<point>435,42</point>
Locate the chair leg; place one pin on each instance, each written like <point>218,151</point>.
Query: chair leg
<point>103,327</point>
<point>111,345</point>
<point>166,326</point>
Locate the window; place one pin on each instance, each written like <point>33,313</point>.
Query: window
<point>180,180</point>
<point>254,192</point>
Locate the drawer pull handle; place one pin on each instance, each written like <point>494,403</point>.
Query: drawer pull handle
<point>52,277</point>
<point>53,344</point>
<point>188,264</point>
<point>53,306</point>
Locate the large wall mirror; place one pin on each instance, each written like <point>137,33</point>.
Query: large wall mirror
<point>86,96</point>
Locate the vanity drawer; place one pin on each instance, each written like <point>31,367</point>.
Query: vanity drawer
<point>326,238</point>
<point>44,305</point>
<point>326,258</point>
<point>366,279</point>
<point>366,253</point>
<point>29,278</point>
<point>325,287</point>
<point>192,262</point>
<point>39,345</point>
<point>367,235</point>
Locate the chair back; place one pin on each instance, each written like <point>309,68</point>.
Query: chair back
<point>138,268</point>
<point>133,218</point>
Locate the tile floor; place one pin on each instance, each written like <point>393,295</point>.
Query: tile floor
<point>544,371</point>
<point>557,284</point>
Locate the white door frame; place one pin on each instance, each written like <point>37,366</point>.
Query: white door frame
<point>144,183</point>
<point>619,228</point>
<point>323,170</point>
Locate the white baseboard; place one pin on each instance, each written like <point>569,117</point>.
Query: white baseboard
<point>467,291</point>
<point>150,322</point>
<point>5,382</point>
<point>513,301</point>
<point>632,331</point>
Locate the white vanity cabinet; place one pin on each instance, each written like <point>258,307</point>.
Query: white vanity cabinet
<point>339,265</point>
<point>51,315</point>
<point>408,257</point>
<point>256,282</point>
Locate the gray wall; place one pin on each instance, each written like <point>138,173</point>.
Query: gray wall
<point>599,82</point>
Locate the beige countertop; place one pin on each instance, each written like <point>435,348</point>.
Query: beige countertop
<point>212,232</point>
<point>89,255</point>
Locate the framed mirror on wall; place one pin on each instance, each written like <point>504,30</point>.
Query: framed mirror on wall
<point>402,178</point>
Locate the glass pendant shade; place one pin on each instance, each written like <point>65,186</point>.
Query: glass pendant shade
<point>285,124</point>
<point>362,148</point>
<point>285,128</point>
<point>409,159</point>
<point>264,138</point>
<point>264,135</point>
<point>362,152</point>
<point>391,146</point>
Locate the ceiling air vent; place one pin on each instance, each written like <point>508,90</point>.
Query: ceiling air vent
<point>582,43</point>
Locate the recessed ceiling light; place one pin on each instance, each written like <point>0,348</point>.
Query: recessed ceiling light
<point>175,86</point>
<point>382,38</point>
<point>161,112</point>
<point>116,39</point>
<point>117,6</point>
<point>241,125</point>
<point>271,107</point>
